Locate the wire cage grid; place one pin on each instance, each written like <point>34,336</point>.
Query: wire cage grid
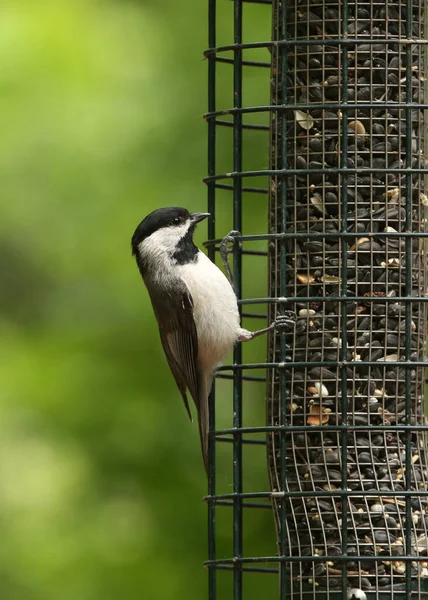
<point>278,237</point>
<point>233,120</point>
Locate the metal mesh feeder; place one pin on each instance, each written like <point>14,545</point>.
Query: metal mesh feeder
<point>347,452</point>
<point>346,239</point>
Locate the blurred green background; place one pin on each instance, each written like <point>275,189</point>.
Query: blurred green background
<point>101,479</point>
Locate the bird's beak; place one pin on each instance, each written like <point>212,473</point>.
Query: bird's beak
<point>196,217</point>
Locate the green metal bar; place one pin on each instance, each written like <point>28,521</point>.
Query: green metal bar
<point>245,63</point>
<point>346,41</point>
<point>237,274</point>
<point>324,171</point>
<point>282,107</point>
<point>320,236</point>
<point>315,428</point>
<point>248,569</point>
<point>283,73</point>
<point>212,22</point>
<point>315,558</point>
<point>387,300</point>
<point>319,363</point>
<point>320,494</point>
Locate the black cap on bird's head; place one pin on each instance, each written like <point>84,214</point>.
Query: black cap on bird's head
<point>162,218</point>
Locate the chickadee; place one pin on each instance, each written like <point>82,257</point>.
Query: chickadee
<point>194,304</point>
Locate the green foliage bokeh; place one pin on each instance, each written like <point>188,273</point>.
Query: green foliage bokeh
<point>101,477</point>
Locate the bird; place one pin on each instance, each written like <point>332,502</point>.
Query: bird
<point>194,304</point>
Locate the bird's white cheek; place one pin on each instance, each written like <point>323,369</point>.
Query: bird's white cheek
<point>162,243</point>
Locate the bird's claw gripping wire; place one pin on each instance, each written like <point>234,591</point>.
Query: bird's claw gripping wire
<point>227,245</point>
<point>285,323</point>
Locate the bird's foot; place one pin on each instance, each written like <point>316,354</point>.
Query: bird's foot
<point>284,323</point>
<point>227,245</point>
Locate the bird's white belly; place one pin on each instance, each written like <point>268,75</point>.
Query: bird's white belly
<point>215,310</point>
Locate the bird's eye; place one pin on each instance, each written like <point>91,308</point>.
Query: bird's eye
<point>176,221</point>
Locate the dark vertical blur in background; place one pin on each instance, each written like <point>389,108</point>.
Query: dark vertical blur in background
<point>101,478</point>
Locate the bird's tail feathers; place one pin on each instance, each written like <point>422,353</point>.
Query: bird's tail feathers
<point>204,390</point>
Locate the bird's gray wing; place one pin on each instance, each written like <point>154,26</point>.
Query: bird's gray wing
<point>176,371</point>
<point>174,313</point>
